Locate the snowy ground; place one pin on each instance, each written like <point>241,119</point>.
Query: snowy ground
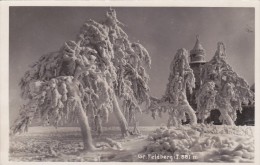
<point>201,144</point>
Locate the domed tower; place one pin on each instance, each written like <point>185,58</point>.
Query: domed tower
<point>197,60</point>
<point>197,54</point>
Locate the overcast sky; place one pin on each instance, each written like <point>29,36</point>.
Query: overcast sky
<point>35,31</point>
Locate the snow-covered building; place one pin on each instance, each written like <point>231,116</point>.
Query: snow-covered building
<point>197,60</point>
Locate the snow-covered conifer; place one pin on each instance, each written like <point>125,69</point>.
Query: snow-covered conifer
<point>222,89</point>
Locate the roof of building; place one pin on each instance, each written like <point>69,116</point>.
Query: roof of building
<point>197,54</point>
<point>197,45</point>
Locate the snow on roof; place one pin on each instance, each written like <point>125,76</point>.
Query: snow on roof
<point>194,62</point>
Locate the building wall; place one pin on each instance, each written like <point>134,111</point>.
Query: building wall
<point>196,67</point>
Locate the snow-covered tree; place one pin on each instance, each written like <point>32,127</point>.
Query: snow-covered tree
<point>222,89</point>
<point>86,79</point>
<point>130,62</point>
<point>174,101</point>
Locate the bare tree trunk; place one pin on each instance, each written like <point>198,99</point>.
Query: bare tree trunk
<point>84,126</point>
<point>98,125</point>
<point>136,130</point>
<point>120,116</point>
<point>169,121</point>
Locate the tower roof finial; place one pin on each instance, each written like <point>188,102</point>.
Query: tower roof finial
<point>197,37</point>
<point>197,45</point>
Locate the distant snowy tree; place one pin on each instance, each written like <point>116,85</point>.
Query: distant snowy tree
<point>175,101</point>
<point>85,80</point>
<point>222,89</point>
